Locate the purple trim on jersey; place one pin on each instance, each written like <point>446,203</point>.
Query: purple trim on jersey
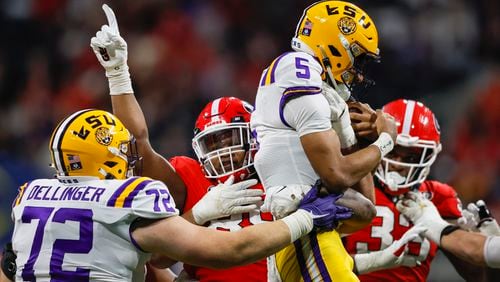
<point>133,241</point>
<point>137,189</point>
<point>263,81</point>
<point>275,64</point>
<point>323,270</point>
<point>301,261</point>
<point>292,93</point>
<point>119,191</point>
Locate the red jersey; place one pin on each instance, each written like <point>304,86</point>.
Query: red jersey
<point>197,185</point>
<point>389,225</point>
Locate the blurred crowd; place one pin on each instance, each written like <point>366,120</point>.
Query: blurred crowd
<point>184,53</point>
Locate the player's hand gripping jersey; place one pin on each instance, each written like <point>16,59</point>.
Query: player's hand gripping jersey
<point>390,225</point>
<point>197,184</point>
<point>80,230</point>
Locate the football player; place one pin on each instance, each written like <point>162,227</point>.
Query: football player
<point>293,121</point>
<point>96,221</point>
<point>388,249</point>
<point>478,248</point>
<point>225,149</point>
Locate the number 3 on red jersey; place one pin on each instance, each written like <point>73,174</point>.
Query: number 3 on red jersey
<point>386,229</point>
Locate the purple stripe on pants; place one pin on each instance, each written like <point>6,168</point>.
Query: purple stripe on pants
<point>301,260</point>
<point>325,275</point>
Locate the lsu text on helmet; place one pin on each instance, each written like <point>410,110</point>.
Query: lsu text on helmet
<point>93,143</point>
<point>223,142</point>
<point>417,146</point>
<point>342,36</point>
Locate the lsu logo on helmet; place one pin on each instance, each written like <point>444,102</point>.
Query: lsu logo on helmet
<point>93,143</point>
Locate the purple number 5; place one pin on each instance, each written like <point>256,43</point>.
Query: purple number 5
<point>61,246</point>
<point>303,69</point>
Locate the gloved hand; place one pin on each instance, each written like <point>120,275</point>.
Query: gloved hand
<point>477,217</point>
<point>283,200</point>
<point>111,51</point>
<point>422,212</point>
<point>339,116</point>
<point>227,199</point>
<point>393,256</point>
<point>8,262</point>
<point>325,213</point>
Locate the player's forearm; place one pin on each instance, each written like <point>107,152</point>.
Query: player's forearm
<point>366,187</point>
<point>248,246</point>
<point>128,110</point>
<point>337,172</point>
<point>466,245</point>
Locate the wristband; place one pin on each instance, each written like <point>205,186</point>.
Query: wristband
<point>119,83</point>
<point>448,230</point>
<point>299,223</point>
<point>384,143</point>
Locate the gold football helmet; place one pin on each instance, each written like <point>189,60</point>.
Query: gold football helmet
<point>342,36</point>
<point>93,143</point>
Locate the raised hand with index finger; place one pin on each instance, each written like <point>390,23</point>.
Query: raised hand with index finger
<point>111,51</point>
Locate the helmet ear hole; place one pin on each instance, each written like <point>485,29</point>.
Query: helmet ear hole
<point>110,164</point>
<point>335,52</point>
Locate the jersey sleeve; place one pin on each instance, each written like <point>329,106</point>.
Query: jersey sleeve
<point>302,107</point>
<point>142,197</point>
<point>296,71</point>
<point>308,114</point>
<point>445,199</point>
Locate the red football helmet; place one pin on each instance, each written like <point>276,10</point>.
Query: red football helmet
<point>417,146</point>
<point>223,142</point>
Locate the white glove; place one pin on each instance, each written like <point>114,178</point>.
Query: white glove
<point>227,199</point>
<point>283,200</point>
<point>111,51</point>
<point>470,218</point>
<point>393,256</point>
<point>422,212</point>
<point>477,217</point>
<point>339,116</point>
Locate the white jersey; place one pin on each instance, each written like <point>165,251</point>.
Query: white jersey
<point>80,231</point>
<point>288,105</point>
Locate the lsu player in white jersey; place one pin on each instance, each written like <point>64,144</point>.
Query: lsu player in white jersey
<point>293,122</point>
<point>95,221</point>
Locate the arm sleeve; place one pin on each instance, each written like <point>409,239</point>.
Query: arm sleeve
<point>308,114</point>
<point>492,251</point>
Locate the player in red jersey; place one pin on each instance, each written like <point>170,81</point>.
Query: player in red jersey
<point>225,148</point>
<point>386,250</point>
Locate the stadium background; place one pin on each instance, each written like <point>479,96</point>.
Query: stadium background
<point>184,53</point>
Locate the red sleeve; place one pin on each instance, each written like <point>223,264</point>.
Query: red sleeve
<point>444,198</point>
<point>193,177</point>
